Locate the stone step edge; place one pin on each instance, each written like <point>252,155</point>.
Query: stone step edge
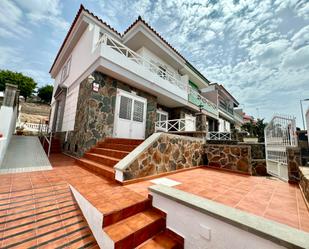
<point>102,156</point>
<point>160,219</point>
<point>95,164</point>
<point>169,234</point>
<point>138,207</point>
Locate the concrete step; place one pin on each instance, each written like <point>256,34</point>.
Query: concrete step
<point>110,152</point>
<point>134,230</point>
<point>98,168</point>
<point>114,146</point>
<point>123,141</point>
<point>164,240</point>
<point>116,216</point>
<point>106,160</point>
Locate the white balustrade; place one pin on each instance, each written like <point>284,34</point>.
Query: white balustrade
<point>175,125</point>
<point>200,100</point>
<point>214,135</point>
<point>33,126</point>
<point>133,56</point>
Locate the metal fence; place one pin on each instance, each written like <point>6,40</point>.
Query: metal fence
<point>280,133</point>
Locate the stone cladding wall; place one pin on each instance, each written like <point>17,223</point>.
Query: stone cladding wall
<point>95,114</point>
<point>294,162</point>
<point>258,160</point>
<point>231,157</point>
<point>168,153</point>
<point>304,182</point>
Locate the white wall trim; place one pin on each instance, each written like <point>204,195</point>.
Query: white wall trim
<point>207,224</point>
<point>94,219</point>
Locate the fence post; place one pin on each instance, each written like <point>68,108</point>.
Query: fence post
<point>10,95</point>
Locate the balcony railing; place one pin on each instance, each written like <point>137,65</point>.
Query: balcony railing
<point>196,98</point>
<point>133,56</point>
<point>238,117</point>
<point>213,135</point>
<point>185,124</point>
<point>223,107</point>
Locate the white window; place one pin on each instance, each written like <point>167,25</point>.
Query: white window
<point>66,70</point>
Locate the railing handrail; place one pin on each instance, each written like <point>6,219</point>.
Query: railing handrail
<point>173,120</point>
<point>172,124</point>
<point>128,52</point>
<point>47,135</point>
<point>203,99</point>
<point>219,135</point>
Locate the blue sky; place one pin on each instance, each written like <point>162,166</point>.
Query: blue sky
<point>258,49</point>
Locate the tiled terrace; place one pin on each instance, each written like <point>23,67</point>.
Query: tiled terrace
<point>265,197</point>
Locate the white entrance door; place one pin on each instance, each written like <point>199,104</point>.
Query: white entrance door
<point>190,122</point>
<point>130,116</point>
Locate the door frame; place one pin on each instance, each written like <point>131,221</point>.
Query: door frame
<point>120,92</point>
<point>193,118</point>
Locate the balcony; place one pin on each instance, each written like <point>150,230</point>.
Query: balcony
<point>197,99</point>
<point>152,77</point>
<point>238,117</point>
<point>226,109</point>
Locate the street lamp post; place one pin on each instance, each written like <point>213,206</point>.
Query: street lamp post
<point>302,111</point>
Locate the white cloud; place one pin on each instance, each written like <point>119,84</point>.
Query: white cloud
<point>11,20</point>
<point>301,38</point>
<point>270,53</point>
<point>297,59</point>
<point>47,11</point>
<point>10,57</point>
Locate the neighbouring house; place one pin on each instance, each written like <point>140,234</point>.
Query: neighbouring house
<point>229,114</point>
<point>127,85</point>
<point>248,119</point>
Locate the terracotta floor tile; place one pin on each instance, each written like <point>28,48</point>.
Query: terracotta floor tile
<point>286,218</point>
<point>117,233</point>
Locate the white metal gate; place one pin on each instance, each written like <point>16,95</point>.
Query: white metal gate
<point>279,134</point>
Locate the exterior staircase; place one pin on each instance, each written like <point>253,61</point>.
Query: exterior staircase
<point>143,227</point>
<point>106,154</point>
<point>138,225</point>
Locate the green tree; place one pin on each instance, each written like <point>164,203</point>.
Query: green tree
<point>25,84</point>
<point>260,126</point>
<point>250,128</point>
<point>46,93</point>
<point>255,129</point>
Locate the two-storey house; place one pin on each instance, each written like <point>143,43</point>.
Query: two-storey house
<point>126,85</point>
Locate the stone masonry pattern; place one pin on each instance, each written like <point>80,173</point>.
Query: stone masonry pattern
<point>231,157</point>
<point>258,161</point>
<point>304,181</point>
<point>95,114</point>
<point>168,153</point>
<point>294,161</point>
